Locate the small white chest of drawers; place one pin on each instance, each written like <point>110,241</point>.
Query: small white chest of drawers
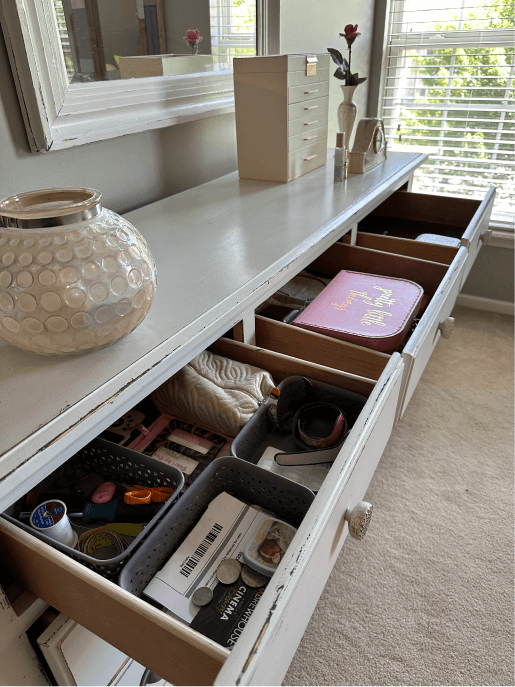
<point>281,115</point>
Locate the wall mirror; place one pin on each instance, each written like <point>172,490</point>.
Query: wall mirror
<point>89,70</point>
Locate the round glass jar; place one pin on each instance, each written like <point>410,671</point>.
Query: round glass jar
<point>74,276</point>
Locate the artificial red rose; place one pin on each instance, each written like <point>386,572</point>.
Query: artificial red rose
<point>350,33</point>
<point>192,35</point>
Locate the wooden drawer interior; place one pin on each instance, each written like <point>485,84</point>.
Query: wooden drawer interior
<point>407,215</point>
<point>146,634</point>
<point>324,350</point>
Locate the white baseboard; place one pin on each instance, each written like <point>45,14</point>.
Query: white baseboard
<point>503,307</point>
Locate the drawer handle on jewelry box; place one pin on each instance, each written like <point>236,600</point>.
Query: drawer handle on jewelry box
<point>446,327</point>
<point>315,121</point>
<point>313,107</point>
<point>311,157</point>
<point>359,519</point>
<point>308,138</point>
<point>308,92</point>
<point>486,237</point>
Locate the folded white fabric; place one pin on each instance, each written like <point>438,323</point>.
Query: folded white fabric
<point>214,393</point>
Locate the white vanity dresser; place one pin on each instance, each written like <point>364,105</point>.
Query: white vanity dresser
<point>221,249</point>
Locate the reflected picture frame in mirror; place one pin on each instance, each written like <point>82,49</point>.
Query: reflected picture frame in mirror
<point>59,114</point>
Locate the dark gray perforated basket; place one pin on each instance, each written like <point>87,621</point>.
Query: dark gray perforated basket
<point>121,465</point>
<point>286,499</point>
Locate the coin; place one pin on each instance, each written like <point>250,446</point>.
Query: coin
<point>253,578</point>
<point>228,571</point>
<point>202,596</point>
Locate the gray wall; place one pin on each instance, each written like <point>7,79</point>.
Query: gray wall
<point>135,170</point>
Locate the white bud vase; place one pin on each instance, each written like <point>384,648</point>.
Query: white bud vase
<point>347,113</point>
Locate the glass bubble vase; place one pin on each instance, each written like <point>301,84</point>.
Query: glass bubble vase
<point>74,277</point>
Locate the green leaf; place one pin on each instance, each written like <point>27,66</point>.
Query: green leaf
<point>336,55</point>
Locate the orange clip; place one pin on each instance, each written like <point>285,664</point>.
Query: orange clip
<point>139,495</point>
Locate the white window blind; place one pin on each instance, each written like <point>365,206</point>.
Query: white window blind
<point>233,30</point>
<point>448,90</point>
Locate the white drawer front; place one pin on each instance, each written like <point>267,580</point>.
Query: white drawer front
<point>307,138</point>
<point>310,108</point>
<point>306,159</point>
<point>278,623</point>
<point>299,94</point>
<point>299,78</point>
<point>307,123</point>
<point>475,234</point>
<point>423,341</point>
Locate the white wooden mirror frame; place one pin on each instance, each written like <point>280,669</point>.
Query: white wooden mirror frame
<point>60,115</point>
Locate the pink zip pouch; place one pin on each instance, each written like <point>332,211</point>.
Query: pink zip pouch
<point>364,309</point>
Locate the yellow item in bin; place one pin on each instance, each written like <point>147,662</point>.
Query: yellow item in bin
<point>139,495</point>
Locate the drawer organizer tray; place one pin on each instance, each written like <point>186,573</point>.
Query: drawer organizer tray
<point>259,432</point>
<point>286,499</point>
<point>122,465</point>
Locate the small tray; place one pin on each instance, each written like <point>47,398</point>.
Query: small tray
<point>259,433</point>
<point>122,465</point>
<point>249,483</point>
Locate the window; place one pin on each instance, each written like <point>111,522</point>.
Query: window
<point>233,30</point>
<point>448,90</point>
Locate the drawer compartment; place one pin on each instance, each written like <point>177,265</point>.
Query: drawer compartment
<point>307,138</point>
<point>299,78</point>
<point>309,108</point>
<point>306,123</point>
<point>408,215</point>
<point>172,649</point>
<point>440,281</point>
<point>298,94</point>
<point>307,159</point>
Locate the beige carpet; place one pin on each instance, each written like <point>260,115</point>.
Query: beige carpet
<point>428,597</point>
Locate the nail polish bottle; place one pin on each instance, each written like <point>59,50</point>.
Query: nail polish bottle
<point>339,157</point>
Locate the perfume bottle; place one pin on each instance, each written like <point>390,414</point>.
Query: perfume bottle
<point>339,158</point>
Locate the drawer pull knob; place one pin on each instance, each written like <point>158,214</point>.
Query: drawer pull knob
<point>313,107</point>
<point>308,92</point>
<point>359,519</point>
<point>315,121</point>
<point>446,327</point>
<point>311,157</point>
<point>308,138</point>
<point>486,237</point>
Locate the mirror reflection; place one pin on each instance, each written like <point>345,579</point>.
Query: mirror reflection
<point>119,39</point>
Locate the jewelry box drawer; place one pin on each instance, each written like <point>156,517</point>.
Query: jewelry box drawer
<point>307,123</point>
<point>408,215</point>
<point>299,78</point>
<point>263,652</point>
<point>307,158</point>
<point>309,108</point>
<point>307,138</point>
<point>298,94</point>
<point>440,280</point>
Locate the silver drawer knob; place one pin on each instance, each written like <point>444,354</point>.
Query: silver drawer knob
<point>446,327</point>
<point>486,237</point>
<point>359,519</point>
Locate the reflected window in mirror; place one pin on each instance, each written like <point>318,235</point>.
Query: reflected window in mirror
<point>105,40</point>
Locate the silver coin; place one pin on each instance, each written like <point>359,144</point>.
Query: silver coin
<point>228,571</point>
<point>252,578</point>
<point>202,596</point>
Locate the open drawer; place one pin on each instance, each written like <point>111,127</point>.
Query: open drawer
<point>440,273</point>
<point>408,215</point>
<point>268,642</point>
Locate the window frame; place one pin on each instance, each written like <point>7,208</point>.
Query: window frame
<point>504,230</point>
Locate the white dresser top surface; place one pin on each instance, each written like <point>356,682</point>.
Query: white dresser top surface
<point>216,246</point>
